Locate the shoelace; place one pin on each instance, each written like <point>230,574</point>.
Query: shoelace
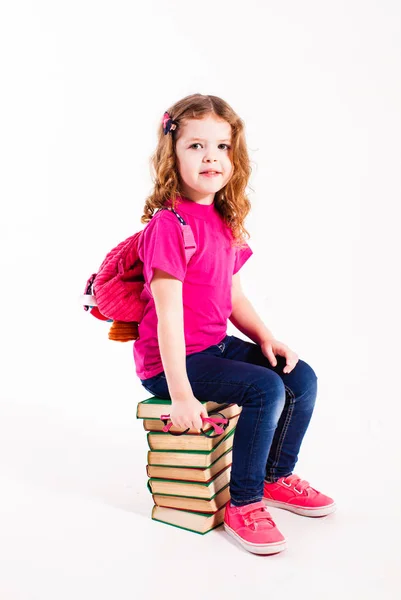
<point>254,514</point>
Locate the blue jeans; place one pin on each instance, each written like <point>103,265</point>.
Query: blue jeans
<point>276,409</point>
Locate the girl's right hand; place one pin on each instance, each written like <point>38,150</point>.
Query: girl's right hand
<point>187,413</point>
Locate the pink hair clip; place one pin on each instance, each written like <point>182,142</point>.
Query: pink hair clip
<point>168,123</point>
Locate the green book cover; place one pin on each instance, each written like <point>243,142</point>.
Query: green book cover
<point>216,519</point>
<point>154,407</point>
<point>198,468</point>
<point>187,529</point>
<point>190,458</point>
<point>191,497</point>
<point>202,483</point>
<point>199,451</point>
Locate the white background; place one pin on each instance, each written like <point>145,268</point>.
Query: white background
<point>84,86</point>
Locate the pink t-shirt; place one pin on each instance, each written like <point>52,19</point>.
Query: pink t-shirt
<point>207,279</point>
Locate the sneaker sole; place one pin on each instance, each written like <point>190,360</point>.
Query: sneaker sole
<point>271,548</point>
<point>320,511</point>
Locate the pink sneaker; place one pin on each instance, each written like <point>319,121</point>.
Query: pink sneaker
<point>253,527</point>
<point>295,494</point>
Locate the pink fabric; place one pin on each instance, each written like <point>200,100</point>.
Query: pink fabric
<point>119,282</point>
<point>207,279</point>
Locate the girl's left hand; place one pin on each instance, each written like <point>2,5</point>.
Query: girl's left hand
<point>272,346</point>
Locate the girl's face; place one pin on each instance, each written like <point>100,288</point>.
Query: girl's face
<point>204,145</point>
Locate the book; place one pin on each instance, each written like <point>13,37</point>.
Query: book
<point>191,489</point>
<point>158,440</point>
<point>195,504</point>
<point>192,521</point>
<point>191,473</point>
<point>229,411</point>
<point>154,407</point>
<point>192,458</point>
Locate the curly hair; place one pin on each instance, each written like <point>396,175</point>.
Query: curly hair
<point>231,201</point>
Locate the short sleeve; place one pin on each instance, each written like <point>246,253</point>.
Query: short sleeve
<point>163,247</point>
<point>241,256</point>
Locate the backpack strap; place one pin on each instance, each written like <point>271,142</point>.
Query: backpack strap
<point>181,220</point>
<point>189,240</point>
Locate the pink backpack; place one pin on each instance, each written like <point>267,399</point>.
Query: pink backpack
<point>113,293</point>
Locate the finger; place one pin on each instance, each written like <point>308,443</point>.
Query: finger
<point>271,357</point>
<point>289,366</point>
<point>197,423</point>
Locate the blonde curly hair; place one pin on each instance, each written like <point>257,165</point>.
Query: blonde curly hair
<point>231,201</point>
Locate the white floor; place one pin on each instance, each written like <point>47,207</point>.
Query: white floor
<point>75,513</point>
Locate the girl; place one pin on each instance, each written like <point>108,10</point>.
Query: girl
<point>183,351</point>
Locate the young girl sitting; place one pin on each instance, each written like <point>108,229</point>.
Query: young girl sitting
<point>183,351</point>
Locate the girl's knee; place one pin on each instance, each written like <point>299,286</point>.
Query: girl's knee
<point>264,397</point>
<point>271,390</point>
<point>306,374</point>
<point>302,384</point>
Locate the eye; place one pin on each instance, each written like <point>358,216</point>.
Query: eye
<point>227,147</point>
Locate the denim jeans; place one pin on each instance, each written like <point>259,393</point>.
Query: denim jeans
<point>276,409</point>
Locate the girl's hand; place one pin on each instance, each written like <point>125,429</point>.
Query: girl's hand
<point>272,346</point>
<point>187,413</point>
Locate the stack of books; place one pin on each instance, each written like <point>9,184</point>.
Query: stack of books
<point>189,475</point>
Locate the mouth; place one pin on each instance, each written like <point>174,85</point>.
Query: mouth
<point>210,173</point>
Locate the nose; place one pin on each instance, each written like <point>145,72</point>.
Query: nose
<point>209,155</point>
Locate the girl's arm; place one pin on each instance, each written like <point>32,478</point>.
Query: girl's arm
<point>186,410</point>
<point>167,294</point>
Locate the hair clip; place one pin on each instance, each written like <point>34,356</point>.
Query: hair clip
<point>168,123</point>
